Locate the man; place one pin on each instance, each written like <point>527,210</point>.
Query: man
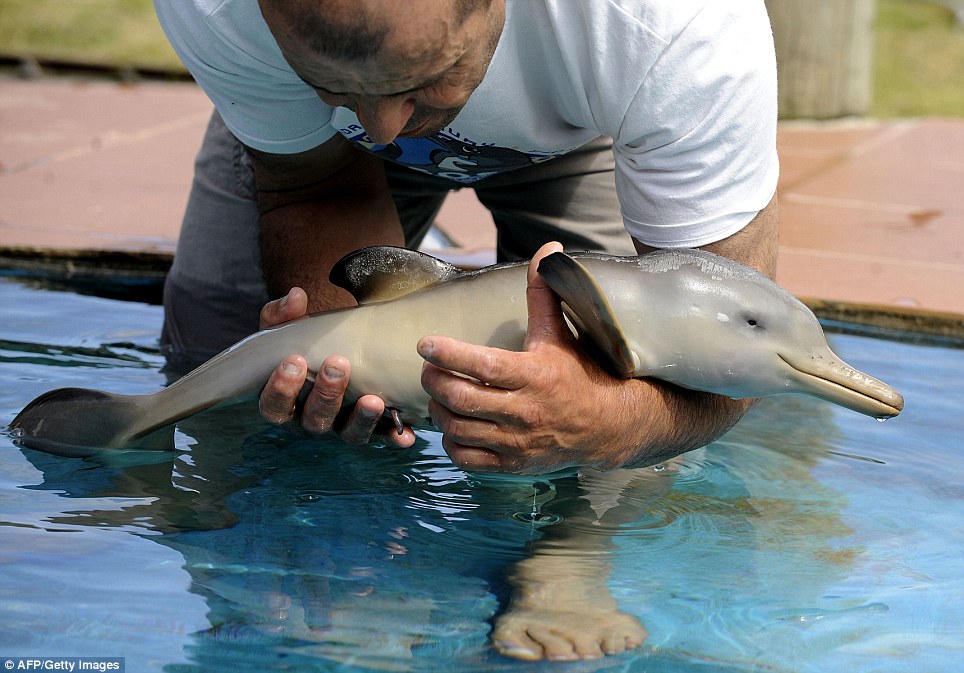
<point>686,92</point>
<point>343,123</point>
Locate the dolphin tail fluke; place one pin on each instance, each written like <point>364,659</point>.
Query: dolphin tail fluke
<point>79,422</point>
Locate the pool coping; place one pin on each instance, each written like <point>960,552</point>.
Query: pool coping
<point>95,174</point>
<point>149,267</point>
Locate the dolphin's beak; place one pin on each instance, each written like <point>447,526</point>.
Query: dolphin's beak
<point>824,375</point>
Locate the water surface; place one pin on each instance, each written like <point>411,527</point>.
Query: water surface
<point>809,539</point>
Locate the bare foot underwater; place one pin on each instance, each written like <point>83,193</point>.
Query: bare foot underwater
<point>561,608</point>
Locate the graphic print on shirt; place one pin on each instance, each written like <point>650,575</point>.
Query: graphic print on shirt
<point>447,154</point>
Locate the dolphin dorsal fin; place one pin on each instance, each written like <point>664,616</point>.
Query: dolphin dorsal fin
<point>382,272</point>
<point>589,309</point>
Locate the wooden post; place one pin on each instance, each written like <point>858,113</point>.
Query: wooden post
<point>824,53</point>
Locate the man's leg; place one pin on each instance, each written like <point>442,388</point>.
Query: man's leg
<point>561,606</point>
<point>570,199</point>
<point>418,198</point>
<point>214,292</point>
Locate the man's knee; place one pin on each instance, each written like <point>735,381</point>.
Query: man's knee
<point>200,322</point>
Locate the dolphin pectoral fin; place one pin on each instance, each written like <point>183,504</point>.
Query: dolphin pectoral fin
<point>380,273</point>
<point>589,309</point>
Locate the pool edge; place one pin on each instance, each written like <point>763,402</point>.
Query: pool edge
<point>116,264</point>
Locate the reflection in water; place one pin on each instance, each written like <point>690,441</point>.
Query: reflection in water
<point>307,548</point>
<point>779,547</point>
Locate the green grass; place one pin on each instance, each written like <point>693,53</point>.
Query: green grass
<point>918,61</point>
<point>101,32</point>
<point>919,51</point>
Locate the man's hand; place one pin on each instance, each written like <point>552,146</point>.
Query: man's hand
<point>546,408</point>
<point>278,401</point>
<point>552,407</point>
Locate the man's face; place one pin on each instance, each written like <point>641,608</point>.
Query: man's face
<point>419,80</point>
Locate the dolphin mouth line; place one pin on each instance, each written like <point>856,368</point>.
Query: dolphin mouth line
<point>860,401</point>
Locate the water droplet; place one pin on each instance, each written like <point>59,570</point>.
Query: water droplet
<point>536,518</point>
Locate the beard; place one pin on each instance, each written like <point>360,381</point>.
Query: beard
<point>426,121</point>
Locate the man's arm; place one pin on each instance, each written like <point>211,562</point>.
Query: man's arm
<point>755,245</point>
<point>552,406</point>
<point>316,207</point>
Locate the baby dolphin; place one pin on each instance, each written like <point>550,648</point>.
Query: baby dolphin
<point>688,317</point>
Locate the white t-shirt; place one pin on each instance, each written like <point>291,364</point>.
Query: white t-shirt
<point>685,88</point>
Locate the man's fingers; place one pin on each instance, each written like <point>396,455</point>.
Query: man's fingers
<point>473,458</point>
<point>546,321</point>
<point>490,366</point>
<point>466,397</point>
<point>292,305</point>
<point>326,397</point>
<point>532,277</point>
<point>363,420</point>
<point>370,417</point>
<point>277,401</point>
<point>496,367</point>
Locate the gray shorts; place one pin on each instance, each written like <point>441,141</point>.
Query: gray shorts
<point>214,292</point>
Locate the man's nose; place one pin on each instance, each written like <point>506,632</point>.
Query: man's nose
<point>383,118</point>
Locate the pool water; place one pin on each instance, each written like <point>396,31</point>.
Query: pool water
<point>809,538</point>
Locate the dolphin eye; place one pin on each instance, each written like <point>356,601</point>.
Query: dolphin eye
<point>751,322</point>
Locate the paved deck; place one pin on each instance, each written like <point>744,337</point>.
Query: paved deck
<point>871,213</point>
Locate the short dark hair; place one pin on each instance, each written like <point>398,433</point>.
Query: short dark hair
<point>347,36</point>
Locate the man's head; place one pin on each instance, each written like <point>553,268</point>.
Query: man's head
<point>405,67</point>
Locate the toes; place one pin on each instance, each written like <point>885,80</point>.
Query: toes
<point>588,646</point>
<point>617,641</point>
<point>529,638</point>
<point>517,651</point>
<point>557,646</point>
<point>518,646</point>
